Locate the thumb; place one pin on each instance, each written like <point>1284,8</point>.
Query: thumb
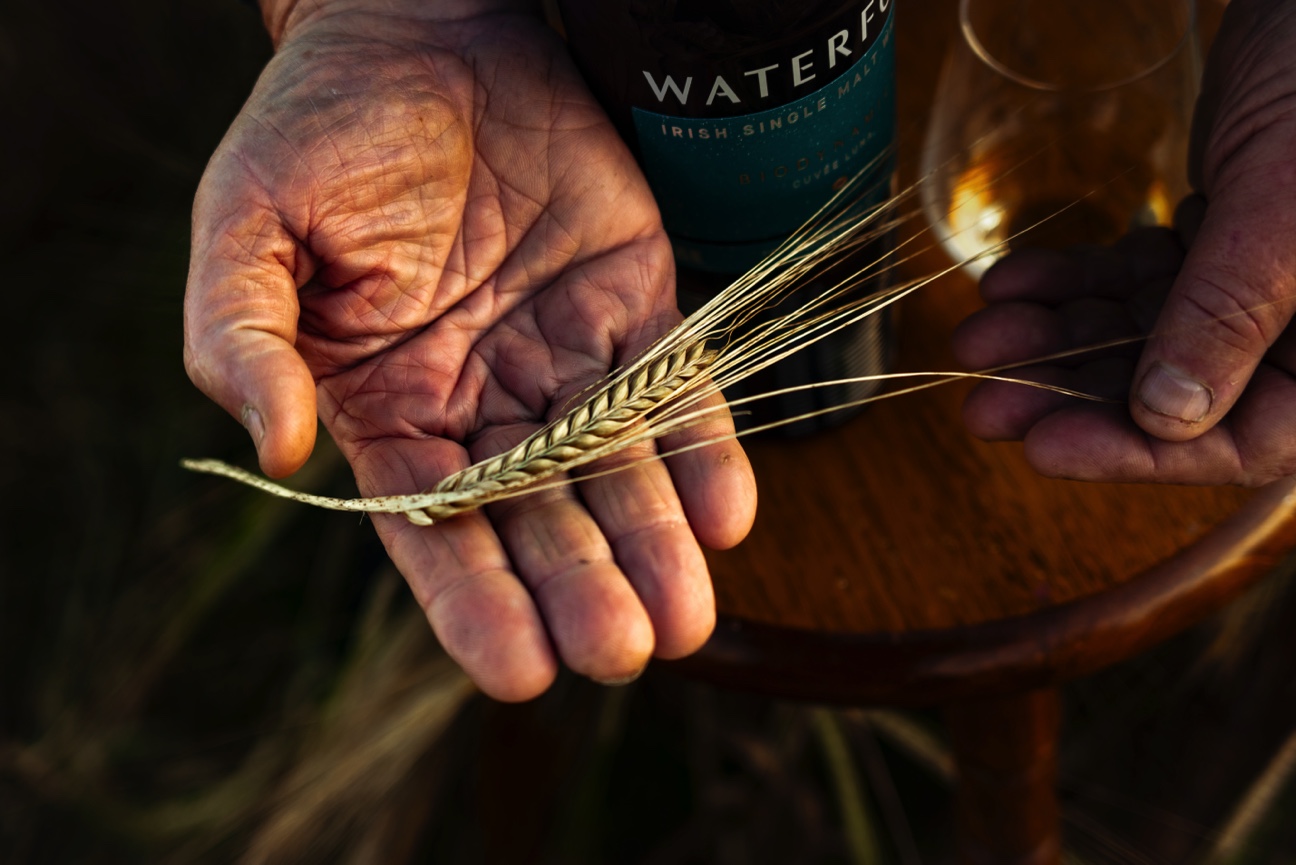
<point>240,327</point>
<point>1233,297</point>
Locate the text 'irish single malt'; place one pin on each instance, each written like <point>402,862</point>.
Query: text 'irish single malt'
<point>746,116</point>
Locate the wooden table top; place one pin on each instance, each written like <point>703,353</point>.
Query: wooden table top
<point>899,520</point>
<point>900,528</point>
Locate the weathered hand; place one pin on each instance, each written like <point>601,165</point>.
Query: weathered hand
<point>430,230</point>
<point>1214,388</point>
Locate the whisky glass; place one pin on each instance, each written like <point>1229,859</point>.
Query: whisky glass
<point>1059,122</point>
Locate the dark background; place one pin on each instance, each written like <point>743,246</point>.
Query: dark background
<point>192,673</point>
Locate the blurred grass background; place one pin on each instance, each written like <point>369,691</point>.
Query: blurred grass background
<point>191,673</point>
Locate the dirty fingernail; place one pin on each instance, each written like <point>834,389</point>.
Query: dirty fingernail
<point>623,680</point>
<point>251,419</point>
<point>1173,394</point>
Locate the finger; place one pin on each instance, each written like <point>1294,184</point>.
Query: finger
<point>639,512</point>
<point>1002,411</point>
<point>1101,443</point>
<point>1009,332</point>
<point>655,515</point>
<point>460,573</point>
<point>1005,411</point>
<point>593,613</point>
<point>1261,423</point>
<point>1252,446</point>
<point>716,484</point>
<point>1055,276</point>
<point>1014,332</point>
<point>240,325</point>
<point>1036,275</point>
<point>1235,295</point>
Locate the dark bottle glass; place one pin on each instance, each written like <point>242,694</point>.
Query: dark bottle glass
<point>745,116</point>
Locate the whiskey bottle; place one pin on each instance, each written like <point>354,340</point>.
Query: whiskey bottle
<point>745,116</point>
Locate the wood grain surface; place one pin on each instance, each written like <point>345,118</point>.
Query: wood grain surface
<point>899,520</point>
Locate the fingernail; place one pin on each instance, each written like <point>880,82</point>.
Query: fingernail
<point>624,680</point>
<point>252,421</point>
<point>1174,394</point>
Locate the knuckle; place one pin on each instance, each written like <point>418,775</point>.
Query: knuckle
<point>1237,312</point>
<point>1269,467</point>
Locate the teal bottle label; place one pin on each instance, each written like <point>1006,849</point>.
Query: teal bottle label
<point>732,188</point>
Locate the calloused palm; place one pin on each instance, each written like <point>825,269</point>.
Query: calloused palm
<point>428,232</point>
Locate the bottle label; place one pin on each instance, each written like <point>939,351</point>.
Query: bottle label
<point>732,188</point>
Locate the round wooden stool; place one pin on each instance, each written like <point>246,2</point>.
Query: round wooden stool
<point>896,560</point>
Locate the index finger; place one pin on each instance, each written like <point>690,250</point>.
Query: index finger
<point>1055,276</point>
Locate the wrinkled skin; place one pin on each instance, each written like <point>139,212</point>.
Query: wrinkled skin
<point>1217,294</point>
<point>428,232</point>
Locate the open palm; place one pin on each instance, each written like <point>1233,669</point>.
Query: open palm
<point>430,234</point>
